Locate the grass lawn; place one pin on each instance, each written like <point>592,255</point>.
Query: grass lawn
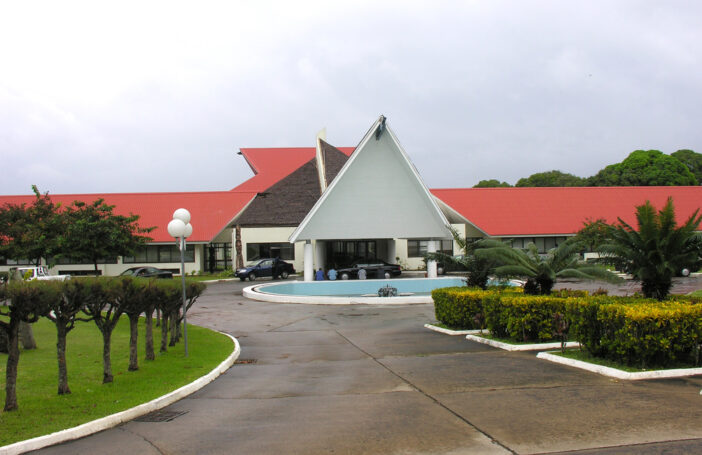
<point>486,335</point>
<point>697,293</point>
<point>584,356</point>
<point>42,410</point>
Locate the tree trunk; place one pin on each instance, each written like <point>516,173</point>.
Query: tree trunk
<point>4,343</point>
<point>158,317</point>
<point>27,336</point>
<point>174,323</point>
<point>61,355</point>
<point>237,246</point>
<point>106,357</point>
<point>164,331</point>
<point>11,370</point>
<point>133,333</point>
<point>149,335</point>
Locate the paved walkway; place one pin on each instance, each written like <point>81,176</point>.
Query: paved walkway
<point>363,379</point>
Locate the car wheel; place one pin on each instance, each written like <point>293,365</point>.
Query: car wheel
<point>439,270</point>
<point>388,275</point>
<point>284,275</point>
<point>252,276</point>
<point>344,276</point>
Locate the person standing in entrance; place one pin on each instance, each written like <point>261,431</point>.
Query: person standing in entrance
<point>319,276</point>
<point>331,274</point>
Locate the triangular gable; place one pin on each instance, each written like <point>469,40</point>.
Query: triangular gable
<point>377,194</point>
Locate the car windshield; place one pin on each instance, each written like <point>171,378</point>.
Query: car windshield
<point>128,272</point>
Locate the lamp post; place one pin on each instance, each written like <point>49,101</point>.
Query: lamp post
<point>180,228</point>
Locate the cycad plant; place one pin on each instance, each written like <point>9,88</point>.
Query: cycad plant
<point>478,269</point>
<point>656,251</point>
<point>542,271</point>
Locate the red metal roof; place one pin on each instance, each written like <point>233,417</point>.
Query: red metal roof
<point>273,164</point>
<point>210,211</point>
<point>554,211</point>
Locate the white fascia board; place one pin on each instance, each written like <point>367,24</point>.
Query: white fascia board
<point>294,236</point>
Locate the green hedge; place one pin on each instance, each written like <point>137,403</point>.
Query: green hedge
<point>638,332</point>
<point>524,317</point>
<point>457,307</point>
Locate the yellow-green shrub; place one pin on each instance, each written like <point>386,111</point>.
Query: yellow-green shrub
<point>457,307</point>
<point>524,317</point>
<point>638,332</point>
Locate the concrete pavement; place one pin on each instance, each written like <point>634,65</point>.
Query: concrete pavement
<point>371,379</point>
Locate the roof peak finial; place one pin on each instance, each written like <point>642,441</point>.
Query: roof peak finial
<point>381,127</point>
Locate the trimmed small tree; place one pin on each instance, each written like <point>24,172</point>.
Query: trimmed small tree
<point>132,302</point>
<point>69,299</point>
<point>21,301</point>
<point>103,307</point>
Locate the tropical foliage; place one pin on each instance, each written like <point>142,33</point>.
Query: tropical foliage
<point>478,269</point>
<point>541,271</point>
<point>657,249</point>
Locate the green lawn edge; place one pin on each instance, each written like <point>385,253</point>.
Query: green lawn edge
<point>42,411</point>
<point>584,356</point>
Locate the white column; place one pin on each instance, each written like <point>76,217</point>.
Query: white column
<point>309,261</point>
<point>320,254</point>
<point>431,265</point>
<point>392,251</point>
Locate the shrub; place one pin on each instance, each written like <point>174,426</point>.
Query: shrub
<point>524,317</point>
<point>638,332</point>
<point>457,307</point>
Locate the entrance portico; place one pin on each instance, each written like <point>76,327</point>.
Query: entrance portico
<point>376,197</point>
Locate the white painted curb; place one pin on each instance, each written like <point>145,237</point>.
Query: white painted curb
<point>620,374</point>
<point>520,347</point>
<point>110,421</point>
<point>449,331</point>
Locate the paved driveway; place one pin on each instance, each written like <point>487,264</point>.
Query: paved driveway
<point>366,379</point>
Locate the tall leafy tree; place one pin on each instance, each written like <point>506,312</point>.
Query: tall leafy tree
<point>692,160</point>
<point>30,231</point>
<point>492,183</point>
<point>645,168</point>
<point>657,249</point>
<point>551,179</point>
<point>542,271</point>
<point>93,232</point>
<point>22,302</point>
<point>593,234</point>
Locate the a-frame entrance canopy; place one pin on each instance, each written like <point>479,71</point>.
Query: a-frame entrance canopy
<point>378,194</point>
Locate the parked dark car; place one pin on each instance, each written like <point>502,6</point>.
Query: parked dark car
<point>272,267</point>
<point>147,272</point>
<point>375,268</point>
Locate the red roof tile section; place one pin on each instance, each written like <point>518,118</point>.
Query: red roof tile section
<point>273,164</point>
<point>211,211</point>
<point>553,211</point>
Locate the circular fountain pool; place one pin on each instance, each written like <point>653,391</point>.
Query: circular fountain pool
<point>409,290</point>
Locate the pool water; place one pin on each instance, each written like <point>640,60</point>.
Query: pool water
<point>358,288</point>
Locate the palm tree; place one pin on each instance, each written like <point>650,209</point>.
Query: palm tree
<point>478,269</point>
<point>542,271</point>
<point>657,250</point>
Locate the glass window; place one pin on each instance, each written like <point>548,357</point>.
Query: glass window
<point>285,251</point>
<point>419,248</point>
<point>160,254</point>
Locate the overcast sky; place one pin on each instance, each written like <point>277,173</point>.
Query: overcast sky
<point>146,96</point>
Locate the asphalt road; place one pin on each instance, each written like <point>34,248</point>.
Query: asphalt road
<point>371,380</point>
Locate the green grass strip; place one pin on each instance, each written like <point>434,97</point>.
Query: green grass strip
<point>42,411</point>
